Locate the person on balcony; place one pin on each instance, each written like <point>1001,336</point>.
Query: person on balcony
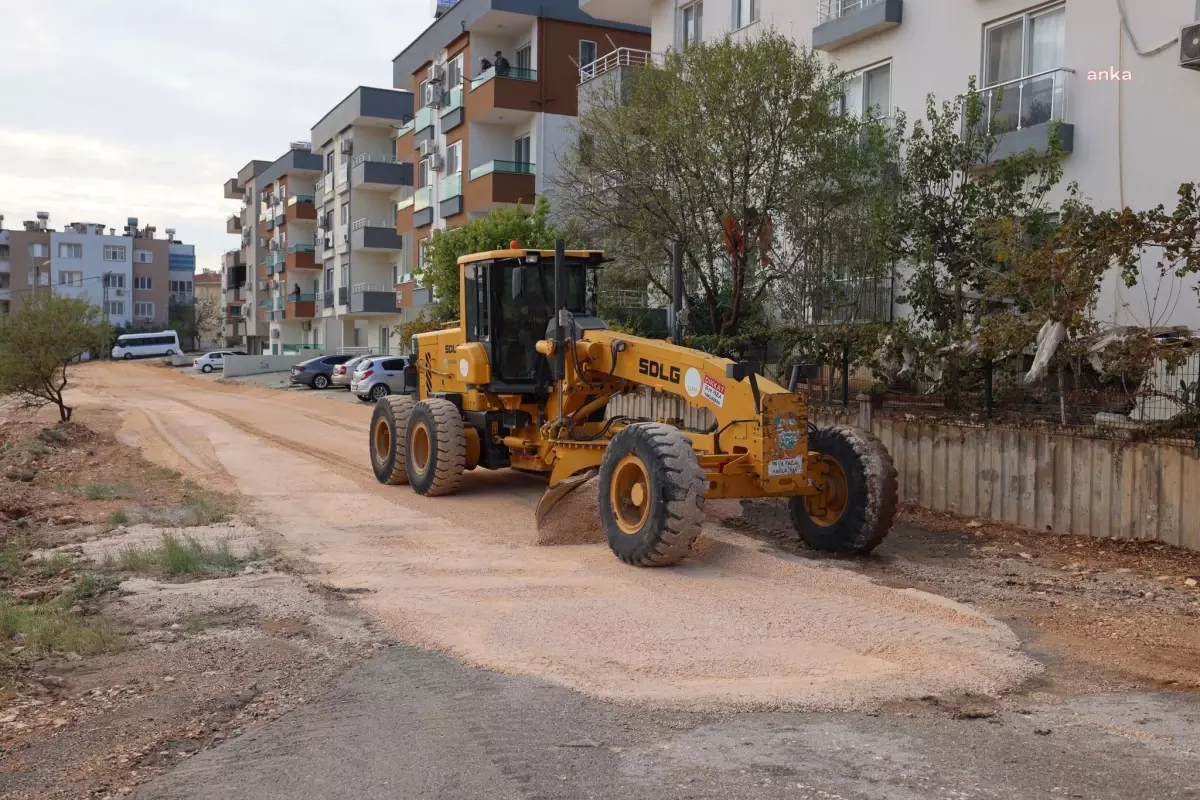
<point>484,65</point>
<point>296,292</point>
<point>502,65</point>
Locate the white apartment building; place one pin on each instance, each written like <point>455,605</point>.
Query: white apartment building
<point>1111,72</point>
<point>90,264</point>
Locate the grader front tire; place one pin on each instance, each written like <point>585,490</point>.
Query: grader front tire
<point>856,511</point>
<point>436,451</point>
<point>389,432</point>
<point>651,495</point>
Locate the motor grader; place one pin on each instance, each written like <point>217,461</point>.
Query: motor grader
<point>525,380</point>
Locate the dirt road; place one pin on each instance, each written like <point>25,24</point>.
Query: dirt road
<point>742,626</point>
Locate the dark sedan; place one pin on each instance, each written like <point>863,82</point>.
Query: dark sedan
<point>317,372</point>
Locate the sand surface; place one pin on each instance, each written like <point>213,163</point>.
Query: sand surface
<point>731,628</point>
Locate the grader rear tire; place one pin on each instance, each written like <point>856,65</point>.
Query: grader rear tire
<point>436,448</point>
<point>389,433</point>
<point>651,495</point>
<point>857,509</point>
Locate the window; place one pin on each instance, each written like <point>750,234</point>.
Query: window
<point>525,57</point>
<point>329,279</point>
<point>454,158</point>
<point>116,308</point>
<point>143,310</point>
<point>176,287</point>
<point>142,282</point>
<point>521,150</point>
<point>42,275</point>
<point>143,256</point>
<point>114,252</point>
<point>744,13</point>
<point>3,252</point>
<point>39,250</point>
<point>1017,55</point>
<point>68,277</point>
<point>587,56</point>
<point>420,98</point>
<point>423,173</point>
<point>68,250</point>
<point>454,72</point>
<point>691,28</point>
<point>345,213</point>
<point>329,162</point>
<point>421,255</point>
<point>869,93</point>
<point>114,281</point>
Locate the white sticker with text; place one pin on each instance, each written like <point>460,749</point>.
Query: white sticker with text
<point>786,466</point>
<point>714,392</point>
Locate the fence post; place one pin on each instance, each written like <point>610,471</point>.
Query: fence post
<point>988,397</point>
<point>866,411</point>
<point>845,377</point>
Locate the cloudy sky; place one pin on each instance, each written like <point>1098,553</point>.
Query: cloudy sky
<point>144,108</point>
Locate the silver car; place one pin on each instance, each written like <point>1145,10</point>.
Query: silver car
<point>343,374</point>
<point>378,376</point>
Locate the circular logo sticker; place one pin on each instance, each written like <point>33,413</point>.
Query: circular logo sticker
<point>463,367</point>
<point>691,382</point>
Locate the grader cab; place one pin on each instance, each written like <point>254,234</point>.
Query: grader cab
<point>525,380</point>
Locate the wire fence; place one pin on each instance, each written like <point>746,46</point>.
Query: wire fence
<point>1161,404</point>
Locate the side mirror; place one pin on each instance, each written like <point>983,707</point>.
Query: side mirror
<point>518,281</point>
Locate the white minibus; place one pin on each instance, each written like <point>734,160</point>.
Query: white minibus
<point>141,345</point>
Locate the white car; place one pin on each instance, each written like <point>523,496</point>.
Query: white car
<point>214,360</point>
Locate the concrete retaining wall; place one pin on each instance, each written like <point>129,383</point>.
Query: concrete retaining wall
<point>257,365</point>
<point>1041,480</point>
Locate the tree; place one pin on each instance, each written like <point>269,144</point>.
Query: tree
<point>531,228</point>
<point>955,193</point>
<point>208,319</point>
<point>724,148</point>
<point>37,342</point>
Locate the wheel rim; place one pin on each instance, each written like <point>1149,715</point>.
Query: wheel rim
<point>320,381</point>
<point>826,508</point>
<point>378,392</point>
<point>420,447</point>
<point>629,494</point>
<point>382,441</point>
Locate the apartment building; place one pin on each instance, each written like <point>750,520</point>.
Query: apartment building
<point>334,232</point>
<point>1128,100</point>
<point>135,277</point>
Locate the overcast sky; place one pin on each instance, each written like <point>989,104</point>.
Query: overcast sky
<point>144,108</point>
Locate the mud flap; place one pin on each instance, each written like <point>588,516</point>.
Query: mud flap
<point>784,443</point>
<point>561,490</point>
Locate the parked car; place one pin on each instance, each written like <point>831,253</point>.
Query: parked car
<point>214,360</point>
<point>317,372</point>
<point>378,377</point>
<point>344,373</point>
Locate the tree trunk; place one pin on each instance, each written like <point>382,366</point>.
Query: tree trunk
<point>1062,395</point>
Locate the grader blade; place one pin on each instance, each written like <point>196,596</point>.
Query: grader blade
<point>556,493</point>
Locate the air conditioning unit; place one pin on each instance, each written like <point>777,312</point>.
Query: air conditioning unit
<point>119,292</point>
<point>347,145</point>
<point>433,95</point>
<point>427,147</point>
<point>274,245</point>
<point>306,325</point>
<point>275,333</point>
<point>272,200</point>
<point>1189,46</point>
<point>437,74</point>
<point>437,163</point>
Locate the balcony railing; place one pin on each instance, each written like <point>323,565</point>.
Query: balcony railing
<point>453,99</point>
<point>423,198</point>
<point>406,128</point>
<point>512,167</point>
<point>516,73</point>
<point>372,223</point>
<point>181,298</point>
<point>343,295</point>
<point>406,202</point>
<point>301,198</point>
<point>328,299</point>
<point>1026,102</point>
<point>833,9</point>
<point>451,186</point>
<point>301,248</point>
<point>362,158</point>
<point>621,57</point>
<point>424,119</point>
<point>319,186</point>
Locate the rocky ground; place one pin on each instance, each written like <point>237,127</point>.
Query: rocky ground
<point>123,655</point>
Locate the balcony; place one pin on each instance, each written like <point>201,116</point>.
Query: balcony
<point>376,236</point>
<point>233,224</point>
<point>501,182</point>
<point>406,128</point>
<point>181,298</point>
<point>232,258</point>
<point>422,210</point>
<point>301,208</point>
<point>630,12</point>
<point>235,277</point>
<point>370,298</point>
<point>274,261</point>
<point>1022,110</point>
<point>5,266</point>
<point>410,295</point>
<point>380,173</point>
<point>453,114</point>
<point>842,22</point>
<point>301,256</point>
<point>234,190</point>
<point>327,299</point>
<point>423,125</point>
<point>452,195</point>
<point>343,296</point>
<point>505,98</point>
<point>234,313</point>
<point>301,306</point>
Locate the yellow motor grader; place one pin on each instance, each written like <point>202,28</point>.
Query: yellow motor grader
<point>524,382</point>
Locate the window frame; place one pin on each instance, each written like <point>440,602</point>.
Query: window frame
<point>1025,17</point>
<point>752,17</point>
<point>71,278</point>
<point>39,250</point>
<point>696,9</point>
<point>583,65</point>
<point>862,73</point>
<point>457,148</point>
<point>65,248</point>
<point>145,303</point>
<point>118,250</point>
<point>138,279</point>
<point>117,304</point>
<point>138,256</point>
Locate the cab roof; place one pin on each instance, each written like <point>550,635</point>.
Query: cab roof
<point>595,256</point>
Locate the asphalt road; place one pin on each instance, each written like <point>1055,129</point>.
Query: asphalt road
<point>410,724</point>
